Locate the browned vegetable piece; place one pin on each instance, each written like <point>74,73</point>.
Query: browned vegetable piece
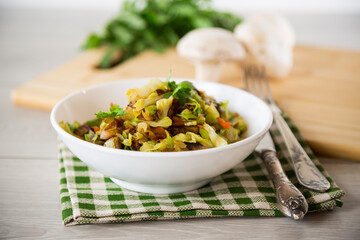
<point>82,130</point>
<point>155,133</point>
<point>194,129</point>
<point>113,142</point>
<point>136,145</point>
<point>159,132</point>
<point>127,131</point>
<point>195,146</point>
<point>172,107</point>
<point>131,104</point>
<point>177,122</point>
<point>177,130</point>
<point>175,108</point>
<point>151,135</point>
<point>108,133</point>
<point>116,126</point>
<point>160,91</point>
<point>128,126</point>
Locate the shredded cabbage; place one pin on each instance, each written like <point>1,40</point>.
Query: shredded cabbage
<point>142,127</point>
<point>195,97</point>
<point>199,139</point>
<point>240,124</point>
<point>204,133</point>
<point>146,90</point>
<point>211,114</point>
<point>151,146</point>
<point>141,138</point>
<point>91,136</point>
<point>165,123</point>
<point>151,99</point>
<point>191,137</point>
<point>169,141</point>
<point>191,123</point>
<point>232,134</point>
<point>112,143</point>
<point>214,137</point>
<point>225,110</point>
<point>187,115</point>
<point>70,128</point>
<point>179,146</point>
<point>163,106</point>
<point>151,109</point>
<point>128,141</point>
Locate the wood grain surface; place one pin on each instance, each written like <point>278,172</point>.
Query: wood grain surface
<point>320,95</point>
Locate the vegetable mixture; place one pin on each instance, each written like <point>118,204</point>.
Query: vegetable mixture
<point>163,116</point>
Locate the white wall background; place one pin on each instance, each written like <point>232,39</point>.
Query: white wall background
<point>240,6</point>
<point>332,23</point>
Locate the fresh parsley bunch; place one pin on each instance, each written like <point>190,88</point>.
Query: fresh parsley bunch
<point>155,24</point>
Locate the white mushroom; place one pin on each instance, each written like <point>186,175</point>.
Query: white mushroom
<point>208,48</point>
<point>270,40</point>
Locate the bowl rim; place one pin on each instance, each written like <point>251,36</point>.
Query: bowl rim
<point>230,146</point>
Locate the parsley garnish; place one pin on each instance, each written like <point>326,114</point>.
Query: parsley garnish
<point>171,85</point>
<point>181,91</point>
<point>114,111</point>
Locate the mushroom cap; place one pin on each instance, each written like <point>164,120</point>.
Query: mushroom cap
<point>266,26</point>
<point>270,40</point>
<point>210,44</point>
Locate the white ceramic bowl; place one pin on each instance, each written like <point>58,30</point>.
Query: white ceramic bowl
<point>160,172</point>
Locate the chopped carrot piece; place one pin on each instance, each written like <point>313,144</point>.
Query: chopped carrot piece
<point>127,125</point>
<point>95,128</point>
<point>223,123</point>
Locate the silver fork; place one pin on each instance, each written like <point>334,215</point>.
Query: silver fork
<point>308,175</point>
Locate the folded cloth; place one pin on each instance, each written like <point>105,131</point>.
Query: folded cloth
<point>88,196</point>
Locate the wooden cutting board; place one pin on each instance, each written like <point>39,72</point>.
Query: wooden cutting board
<point>321,94</point>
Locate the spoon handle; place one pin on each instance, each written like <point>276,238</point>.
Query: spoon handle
<point>290,200</point>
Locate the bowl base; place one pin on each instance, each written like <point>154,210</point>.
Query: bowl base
<point>160,189</point>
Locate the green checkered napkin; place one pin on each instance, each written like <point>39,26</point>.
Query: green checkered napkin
<point>88,196</point>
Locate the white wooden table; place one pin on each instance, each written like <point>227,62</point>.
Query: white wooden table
<point>31,42</point>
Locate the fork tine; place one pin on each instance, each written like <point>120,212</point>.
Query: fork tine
<point>267,87</point>
<point>252,80</point>
<point>245,77</point>
<point>250,77</point>
<point>256,81</point>
<point>259,79</point>
<point>253,77</point>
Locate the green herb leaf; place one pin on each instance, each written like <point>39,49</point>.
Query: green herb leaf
<point>92,41</point>
<point>71,127</point>
<point>167,95</point>
<point>114,111</point>
<point>187,115</point>
<point>95,122</point>
<point>172,85</point>
<point>156,25</point>
<point>168,77</point>
<point>182,91</point>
